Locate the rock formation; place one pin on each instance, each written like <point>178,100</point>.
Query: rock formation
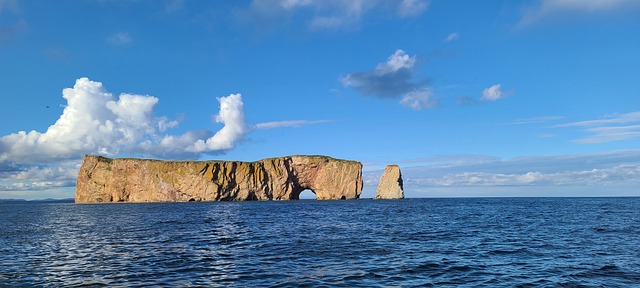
<point>390,185</point>
<point>103,179</point>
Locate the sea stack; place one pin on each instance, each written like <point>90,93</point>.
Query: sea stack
<point>102,179</point>
<point>390,185</point>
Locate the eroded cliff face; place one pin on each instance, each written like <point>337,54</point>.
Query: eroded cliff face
<point>103,179</point>
<point>390,185</point>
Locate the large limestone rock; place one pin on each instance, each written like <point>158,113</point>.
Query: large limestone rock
<point>390,185</point>
<point>103,179</point>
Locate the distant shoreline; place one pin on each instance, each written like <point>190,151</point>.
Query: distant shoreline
<point>20,201</point>
<point>72,200</point>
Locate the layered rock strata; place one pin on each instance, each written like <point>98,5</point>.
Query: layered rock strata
<point>390,185</point>
<point>103,179</point>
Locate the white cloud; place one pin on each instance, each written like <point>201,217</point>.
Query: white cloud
<point>410,8</point>
<point>451,37</point>
<point>600,174</point>
<point>290,4</point>
<point>332,14</point>
<point>608,129</point>
<point>288,123</point>
<point>610,134</point>
<point>492,93</point>
<point>165,123</point>
<point>550,8</point>
<point>418,100</point>
<point>630,117</point>
<point>393,79</point>
<point>399,60</point>
<point>327,22</point>
<point>119,39</point>
<point>41,177</point>
<point>533,120</point>
<point>94,121</point>
<point>232,115</point>
<point>621,167</point>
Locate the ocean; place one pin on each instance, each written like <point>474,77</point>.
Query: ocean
<point>461,242</point>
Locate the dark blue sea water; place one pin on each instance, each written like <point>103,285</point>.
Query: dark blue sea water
<point>486,242</point>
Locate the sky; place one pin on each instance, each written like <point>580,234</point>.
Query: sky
<point>470,98</point>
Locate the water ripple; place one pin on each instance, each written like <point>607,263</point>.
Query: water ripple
<point>518,242</point>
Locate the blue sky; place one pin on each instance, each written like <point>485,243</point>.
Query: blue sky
<point>470,98</point>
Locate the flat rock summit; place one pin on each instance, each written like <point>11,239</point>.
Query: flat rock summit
<point>102,179</point>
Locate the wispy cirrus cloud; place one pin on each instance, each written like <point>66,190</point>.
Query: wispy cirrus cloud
<point>288,123</point>
<point>553,8</point>
<point>12,25</point>
<point>615,127</point>
<point>534,120</point>
<point>610,134</point>
<point>330,14</point>
<point>617,118</point>
<point>120,39</point>
<point>451,37</point>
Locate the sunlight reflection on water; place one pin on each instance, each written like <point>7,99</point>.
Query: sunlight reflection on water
<point>472,242</point>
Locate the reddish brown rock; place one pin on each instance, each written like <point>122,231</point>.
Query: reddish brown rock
<point>103,179</point>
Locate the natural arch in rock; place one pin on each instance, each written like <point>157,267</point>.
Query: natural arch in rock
<point>307,194</point>
<point>103,179</point>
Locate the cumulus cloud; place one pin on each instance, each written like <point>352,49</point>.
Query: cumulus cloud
<point>119,39</point>
<point>232,115</point>
<point>551,8</point>
<point>393,79</point>
<point>492,93</point>
<point>489,94</point>
<point>332,14</point>
<point>95,121</point>
<point>418,100</point>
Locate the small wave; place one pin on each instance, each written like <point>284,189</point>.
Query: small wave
<point>508,252</point>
